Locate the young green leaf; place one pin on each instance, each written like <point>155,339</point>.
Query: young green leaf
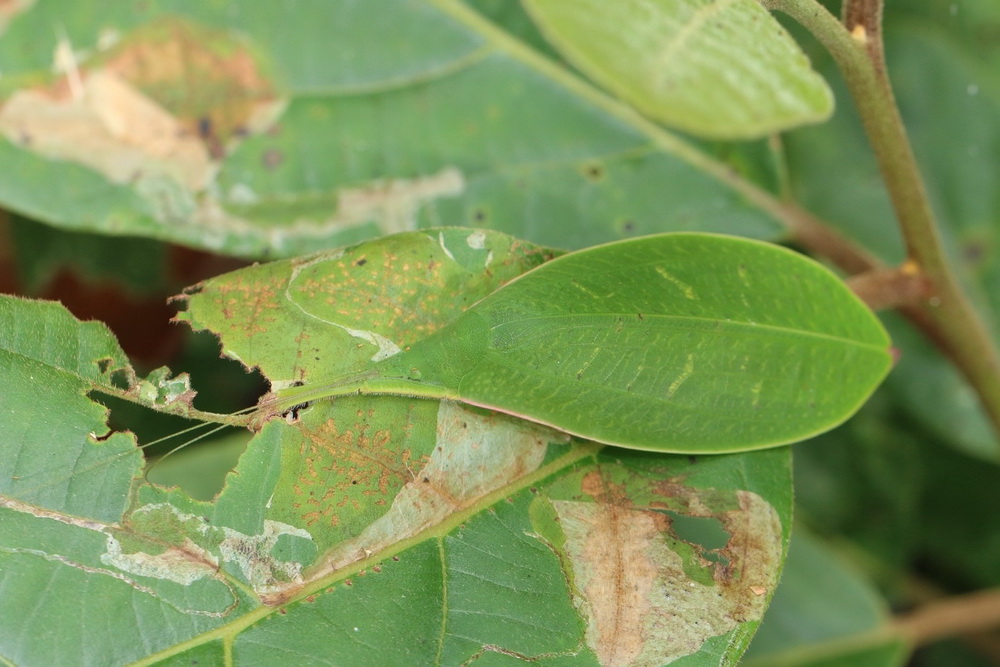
<point>678,343</point>
<point>718,68</point>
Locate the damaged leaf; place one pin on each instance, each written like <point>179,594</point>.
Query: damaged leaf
<point>156,109</point>
<point>278,130</point>
<point>379,530</point>
<point>631,571</point>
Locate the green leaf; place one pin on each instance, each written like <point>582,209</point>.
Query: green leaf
<point>854,484</point>
<point>949,543</point>
<point>275,130</point>
<point>717,68</point>
<point>678,343</point>
<point>382,530</point>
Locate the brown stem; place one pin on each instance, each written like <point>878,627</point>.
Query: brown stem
<point>864,19</point>
<point>960,615</point>
<point>822,240</point>
<point>890,288</point>
<point>858,52</point>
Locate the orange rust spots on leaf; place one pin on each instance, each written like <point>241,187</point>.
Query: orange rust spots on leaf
<point>342,465</point>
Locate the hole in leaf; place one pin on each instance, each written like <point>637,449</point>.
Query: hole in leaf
<point>705,533</point>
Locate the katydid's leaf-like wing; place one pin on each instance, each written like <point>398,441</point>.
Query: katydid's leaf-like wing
<point>677,342</point>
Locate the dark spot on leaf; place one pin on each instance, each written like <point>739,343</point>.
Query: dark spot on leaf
<point>103,365</point>
<point>692,460</point>
<point>479,215</point>
<point>396,558</point>
<point>627,226</point>
<point>376,569</point>
<point>361,262</point>
<point>639,315</point>
<point>594,172</point>
<point>282,611</point>
<point>427,480</point>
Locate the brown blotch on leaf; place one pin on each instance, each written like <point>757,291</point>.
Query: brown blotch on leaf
<point>167,100</point>
<point>210,79</point>
<point>641,604</point>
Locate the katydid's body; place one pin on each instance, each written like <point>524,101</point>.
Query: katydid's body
<point>678,343</point>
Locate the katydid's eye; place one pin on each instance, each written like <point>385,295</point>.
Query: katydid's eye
<point>414,374</point>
